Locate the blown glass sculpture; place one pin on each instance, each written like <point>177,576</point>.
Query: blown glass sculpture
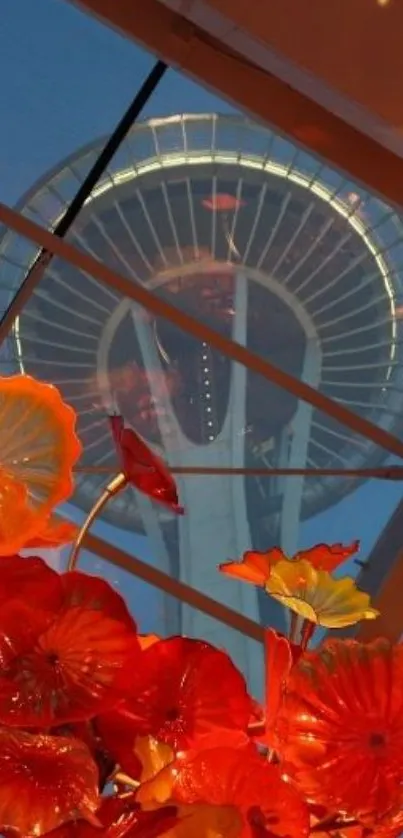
<point>107,733</point>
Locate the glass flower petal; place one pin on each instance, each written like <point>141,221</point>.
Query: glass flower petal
<point>38,451</point>
<point>340,727</point>
<point>200,820</point>
<point>80,590</point>
<point>55,533</point>
<point>153,755</point>
<point>147,640</point>
<point>121,817</point>
<point>142,468</point>
<point>255,567</point>
<point>86,732</point>
<point>14,507</point>
<point>79,666</point>
<point>328,556</point>
<point>21,625</point>
<point>45,781</point>
<point>280,655</point>
<point>30,580</point>
<point>316,596</point>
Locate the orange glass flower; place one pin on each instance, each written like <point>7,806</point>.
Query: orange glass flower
<point>227,793</point>
<point>36,769</point>
<point>315,596</point>
<point>340,727</point>
<point>38,451</point>
<point>256,566</point>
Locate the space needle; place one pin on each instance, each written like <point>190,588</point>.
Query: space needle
<point>237,226</point>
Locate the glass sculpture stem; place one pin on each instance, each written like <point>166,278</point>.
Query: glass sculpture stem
<point>332,823</point>
<point>256,729</point>
<point>116,485</point>
<point>307,633</point>
<point>294,623</point>
<point>123,779</point>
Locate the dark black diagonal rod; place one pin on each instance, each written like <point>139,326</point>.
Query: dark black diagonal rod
<point>44,258</point>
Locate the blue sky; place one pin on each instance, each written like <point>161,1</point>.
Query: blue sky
<point>65,81</point>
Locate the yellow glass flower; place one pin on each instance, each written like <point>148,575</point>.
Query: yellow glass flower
<point>314,595</point>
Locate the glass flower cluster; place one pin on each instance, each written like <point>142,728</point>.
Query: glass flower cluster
<point>105,732</point>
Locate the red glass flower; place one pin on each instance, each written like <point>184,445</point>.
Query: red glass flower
<point>45,781</point>
<point>184,690</point>
<point>121,817</point>
<point>64,661</point>
<point>228,792</point>
<point>280,657</point>
<point>142,468</point>
<point>340,727</point>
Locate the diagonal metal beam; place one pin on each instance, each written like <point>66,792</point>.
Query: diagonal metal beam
<point>190,596</point>
<point>192,50</point>
<point>241,354</point>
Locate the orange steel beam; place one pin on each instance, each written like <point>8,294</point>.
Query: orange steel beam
<point>189,48</point>
<point>173,587</point>
<point>241,354</point>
